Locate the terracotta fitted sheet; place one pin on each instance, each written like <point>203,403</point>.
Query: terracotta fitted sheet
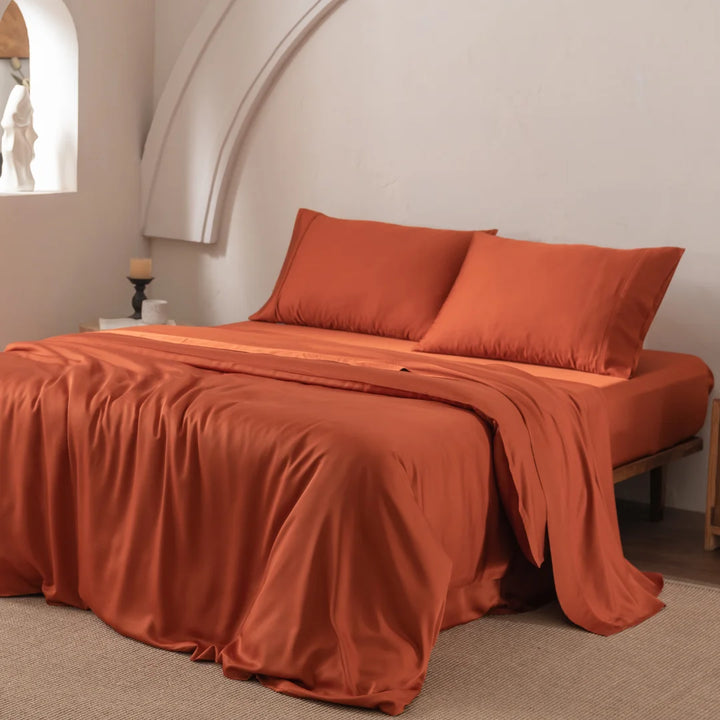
<point>665,402</point>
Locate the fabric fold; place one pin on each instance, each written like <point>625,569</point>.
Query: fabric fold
<point>293,517</point>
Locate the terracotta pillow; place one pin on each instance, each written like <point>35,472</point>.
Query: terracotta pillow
<point>573,306</point>
<point>366,277</point>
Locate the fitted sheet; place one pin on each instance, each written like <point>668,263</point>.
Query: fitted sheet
<point>663,403</point>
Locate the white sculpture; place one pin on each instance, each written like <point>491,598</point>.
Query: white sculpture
<point>18,142</point>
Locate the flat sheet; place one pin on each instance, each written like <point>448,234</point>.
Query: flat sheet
<point>310,516</point>
<point>664,403</point>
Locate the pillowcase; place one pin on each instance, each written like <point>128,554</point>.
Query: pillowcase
<point>572,306</point>
<point>364,276</point>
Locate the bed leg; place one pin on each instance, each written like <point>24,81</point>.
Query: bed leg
<point>657,493</point>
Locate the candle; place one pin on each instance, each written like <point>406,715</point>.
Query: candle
<point>141,268</point>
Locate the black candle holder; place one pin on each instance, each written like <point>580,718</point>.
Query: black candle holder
<point>137,300</point>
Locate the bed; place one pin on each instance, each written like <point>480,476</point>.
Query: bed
<point>310,506</point>
<point>652,420</point>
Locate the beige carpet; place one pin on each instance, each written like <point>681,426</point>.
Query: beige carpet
<point>64,664</point>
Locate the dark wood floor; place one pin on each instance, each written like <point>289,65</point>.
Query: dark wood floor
<point>673,547</point>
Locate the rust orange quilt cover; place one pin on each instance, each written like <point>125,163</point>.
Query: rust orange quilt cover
<point>308,516</point>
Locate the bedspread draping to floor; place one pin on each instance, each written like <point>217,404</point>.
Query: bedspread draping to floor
<point>304,518</point>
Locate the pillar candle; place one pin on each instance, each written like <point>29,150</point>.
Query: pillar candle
<point>140,268</point>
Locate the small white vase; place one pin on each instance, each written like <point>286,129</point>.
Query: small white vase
<point>18,142</point>
<point>155,312</point>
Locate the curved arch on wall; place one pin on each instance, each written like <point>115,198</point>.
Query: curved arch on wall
<point>204,113</point>
<point>54,91</point>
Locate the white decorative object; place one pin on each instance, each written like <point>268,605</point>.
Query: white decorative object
<point>155,312</point>
<point>18,142</point>
<point>186,163</point>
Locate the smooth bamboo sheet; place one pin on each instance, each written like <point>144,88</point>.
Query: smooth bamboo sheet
<point>299,511</point>
<point>664,403</point>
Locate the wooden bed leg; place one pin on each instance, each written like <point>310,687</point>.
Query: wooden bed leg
<point>657,493</point>
<point>712,505</point>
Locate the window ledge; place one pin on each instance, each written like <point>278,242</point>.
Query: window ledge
<point>37,192</point>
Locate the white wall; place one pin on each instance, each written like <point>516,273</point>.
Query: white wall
<point>174,20</point>
<point>64,258</point>
<point>559,121</point>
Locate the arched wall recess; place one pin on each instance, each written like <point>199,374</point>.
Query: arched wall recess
<point>54,92</point>
<point>231,58</point>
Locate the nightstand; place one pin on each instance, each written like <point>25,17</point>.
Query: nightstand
<point>712,507</point>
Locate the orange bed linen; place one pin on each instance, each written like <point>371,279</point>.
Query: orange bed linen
<point>307,514</point>
<point>663,403</point>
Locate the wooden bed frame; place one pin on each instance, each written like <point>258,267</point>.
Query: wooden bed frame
<point>655,465</point>
<point>712,506</point>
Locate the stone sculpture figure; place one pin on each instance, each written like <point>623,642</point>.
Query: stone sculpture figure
<point>18,142</point>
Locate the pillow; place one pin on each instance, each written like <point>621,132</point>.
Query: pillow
<point>572,306</point>
<point>366,277</point>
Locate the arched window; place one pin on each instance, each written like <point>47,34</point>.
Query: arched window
<point>53,72</point>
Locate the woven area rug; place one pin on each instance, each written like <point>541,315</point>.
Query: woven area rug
<point>65,664</point>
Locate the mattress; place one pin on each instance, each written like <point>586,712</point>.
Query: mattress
<point>664,403</point>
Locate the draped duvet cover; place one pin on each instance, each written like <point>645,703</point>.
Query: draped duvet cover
<point>303,515</point>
